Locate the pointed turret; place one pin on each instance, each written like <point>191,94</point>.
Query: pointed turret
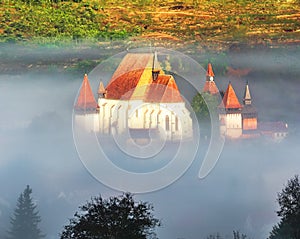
<point>209,73</point>
<point>86,100</point>
<point>249,113</point>
<point>101,90</point>
<point>155,67</point>
<point>210,85</point>
<point>230,100</point>
<point>247,96</point>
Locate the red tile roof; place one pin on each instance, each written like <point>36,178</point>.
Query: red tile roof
<point>122,86</point>
<point>133,80</point>
<point>86,99</point>
<point>133,62</point>
<point>210,87</point>
<point>163,90</point>
<point>209,71</point>
<point>230,100</point>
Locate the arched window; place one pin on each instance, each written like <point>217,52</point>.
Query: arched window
<point>176,123</point>
<point>167,123</point>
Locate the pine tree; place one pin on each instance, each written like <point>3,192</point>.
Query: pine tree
<point>25,220</point>
<point>289,213</point>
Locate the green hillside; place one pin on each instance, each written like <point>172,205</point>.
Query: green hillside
<point>217,22</point>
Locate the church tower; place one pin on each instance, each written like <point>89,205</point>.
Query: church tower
<point>210,86</point>
<point>230,114</point>
<point>249,114</point>
<point>86,107</point>
<point>86,102</point>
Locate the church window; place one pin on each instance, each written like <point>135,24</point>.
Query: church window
<point>167,123</point>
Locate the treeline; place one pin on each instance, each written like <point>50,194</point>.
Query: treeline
<point>121,217</point>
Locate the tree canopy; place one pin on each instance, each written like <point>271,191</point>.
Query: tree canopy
<point>289,212</point>
<point>203,103</point>
<point>117,217</point>
<point>25,220</point>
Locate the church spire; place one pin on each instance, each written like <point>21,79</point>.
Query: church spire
<point>247,96</point>
<point>210,85</point>
<point>209,73</point>
<point>155,67</point>
<point>86,100</point>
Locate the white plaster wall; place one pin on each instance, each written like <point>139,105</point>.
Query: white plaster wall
<point>115,116</point>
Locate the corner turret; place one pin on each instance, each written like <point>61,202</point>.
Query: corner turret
<point>210,85</point>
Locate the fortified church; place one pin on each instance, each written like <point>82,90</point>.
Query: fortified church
<point>141,100</point>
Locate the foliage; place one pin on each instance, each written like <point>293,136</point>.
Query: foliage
<point>200,21</point>
<point>280,231</point>
<point>25,220</point>
<point>117,217</point>
<point>205,104</point>
<point>70,20</point>
<point>289,212</point>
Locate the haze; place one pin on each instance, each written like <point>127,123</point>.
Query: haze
<point>37,148</point>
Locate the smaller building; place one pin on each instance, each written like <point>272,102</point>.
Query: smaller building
<point>276,131</point>
<point>230,115</point>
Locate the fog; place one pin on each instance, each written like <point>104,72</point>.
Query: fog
<point>37,148</point>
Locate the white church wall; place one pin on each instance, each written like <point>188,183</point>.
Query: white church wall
<point>172,120</point>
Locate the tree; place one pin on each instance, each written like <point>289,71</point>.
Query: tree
<point>236,235</point>
<point>204,102</point>
<point>25,220</point>
<point>289,212</point>
<point>114,218</point>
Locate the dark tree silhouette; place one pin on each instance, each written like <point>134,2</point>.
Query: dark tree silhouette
<point>236,235</point>
<point>25,220</point>
<point>289,212</point>
<point>117,217</point>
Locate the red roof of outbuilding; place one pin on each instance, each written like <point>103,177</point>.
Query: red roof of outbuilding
<point>86,99</point>
<point>230,100</point>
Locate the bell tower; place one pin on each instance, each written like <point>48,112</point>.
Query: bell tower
<point>249,113</point>
<point>230,114</point>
